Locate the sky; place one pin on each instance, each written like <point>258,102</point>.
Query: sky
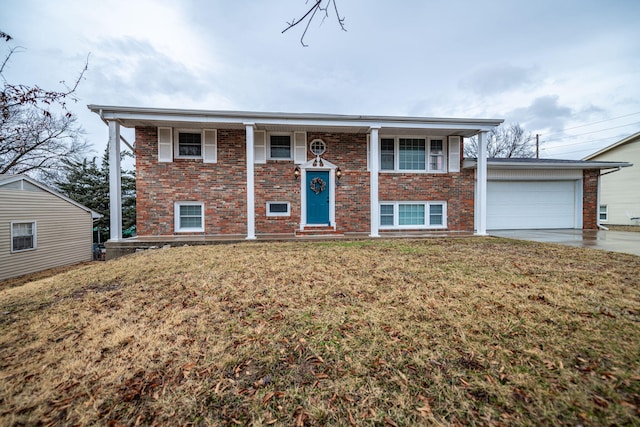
<point>568,70</point>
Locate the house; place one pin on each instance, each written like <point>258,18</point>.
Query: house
<point>213,174</point>
<point>620,192</point>
<point>40,228</point>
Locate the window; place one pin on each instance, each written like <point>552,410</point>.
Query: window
<point>280,147</point>
<point>411,154</point>
<point>412,215</point>
<point>189,144</point>
<point>278,209</point>
<point>386,215</point>
<point>189,217</point>
<point>23,236</point>
<point>387,150</point>
<point>604,213</point>
<point>436,155</point>
<point>318,147</point>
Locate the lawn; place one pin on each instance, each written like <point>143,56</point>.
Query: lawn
<point>467,331</point>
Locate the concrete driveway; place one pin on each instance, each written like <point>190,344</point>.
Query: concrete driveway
<point>613,241</point>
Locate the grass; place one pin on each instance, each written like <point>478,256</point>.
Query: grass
<point>476,331</point>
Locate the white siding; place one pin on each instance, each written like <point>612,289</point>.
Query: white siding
<point>620,191</point>
<point>64,232</point>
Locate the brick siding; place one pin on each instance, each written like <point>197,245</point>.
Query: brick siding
<point>590,199</point>
<point>222,187</point>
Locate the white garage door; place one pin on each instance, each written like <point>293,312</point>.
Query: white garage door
<point>531,204</point>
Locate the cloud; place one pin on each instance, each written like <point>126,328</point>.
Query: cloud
<point>136,73</point>
<point>498,78</point>
<point>543,113</point>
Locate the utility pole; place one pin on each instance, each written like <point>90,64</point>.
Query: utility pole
<point>537,146</point>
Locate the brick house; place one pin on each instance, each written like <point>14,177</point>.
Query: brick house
<point>250,175</point>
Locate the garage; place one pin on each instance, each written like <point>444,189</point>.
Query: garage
<point>535,204</point>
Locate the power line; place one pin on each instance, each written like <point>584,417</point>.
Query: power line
<point>595,123</point>
<point>595,131</point>
<point>582,142</point>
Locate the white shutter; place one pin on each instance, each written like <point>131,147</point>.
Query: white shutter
<point>259,146</point>
<point>165,145</point>
<point>299,147</point>
<point>210,146</point>
<point>454,154</point>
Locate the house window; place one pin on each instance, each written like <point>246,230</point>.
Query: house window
<point>386,215</point>
<point>23,236</point>
<point>604,213</point>
<point>436,155</point>
<point>280,147</point>
<point>411,154</point>
<point>189,144</point>
<point>189,217</point>
<point>318,147</point>
<point>278,209</point>
<point>387,156</point>
<point>412,215</point>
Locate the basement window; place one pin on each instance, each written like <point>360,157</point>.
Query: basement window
<point>413,215</point>
<point>278,209</point>
<point>189,217</point>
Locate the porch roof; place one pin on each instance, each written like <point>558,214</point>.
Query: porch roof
<point>310,122</point>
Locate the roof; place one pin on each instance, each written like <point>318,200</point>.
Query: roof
<point>274,121</point>
<point>6,179</point>
<point>530,163</point>
<point>633,138</point>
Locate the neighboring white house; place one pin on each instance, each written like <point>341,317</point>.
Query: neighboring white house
<point>620,191</point>
<point>40,228</point>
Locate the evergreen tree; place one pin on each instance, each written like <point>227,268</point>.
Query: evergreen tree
<point>87,183</point>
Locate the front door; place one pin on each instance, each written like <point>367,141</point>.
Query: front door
<point>318,197</point>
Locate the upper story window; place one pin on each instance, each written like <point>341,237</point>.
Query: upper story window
<point>189,144</point>
<point>23,236</point>
<point>197,144</point>
<point>436,155</point>
<point>280,147</point>
<point>411,154</point>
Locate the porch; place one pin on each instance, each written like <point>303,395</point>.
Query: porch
<point>131,245</point>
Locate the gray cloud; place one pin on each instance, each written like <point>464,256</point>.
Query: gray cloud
<point>544,113</point>
<point>498,78</point>
<point>135,72</point>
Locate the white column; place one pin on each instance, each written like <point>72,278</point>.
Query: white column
<point>115,182</point>
<point>251,197</point>
<point>481,186</point>
<point>374,157</point>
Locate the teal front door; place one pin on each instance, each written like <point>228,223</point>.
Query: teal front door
<point>318,197</point>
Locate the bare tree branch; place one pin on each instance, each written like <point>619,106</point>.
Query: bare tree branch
<point>504,142</point>
<point>311,13</point>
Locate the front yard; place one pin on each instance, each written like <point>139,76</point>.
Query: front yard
<point>469,331</point>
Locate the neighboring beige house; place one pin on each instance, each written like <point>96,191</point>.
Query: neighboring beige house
<point>40,228</point>
<point>620,191</point>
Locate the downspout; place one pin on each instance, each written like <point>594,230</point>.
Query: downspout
<point>598,202</point>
